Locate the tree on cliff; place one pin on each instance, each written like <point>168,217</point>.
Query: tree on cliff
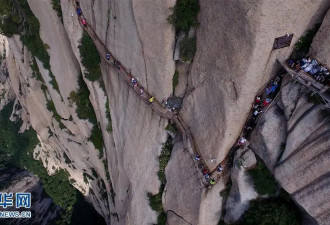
<point>184,15</point>
<point>13,17</point>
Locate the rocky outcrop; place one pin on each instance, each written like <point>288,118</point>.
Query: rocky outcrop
<point>44,211</point>
<point>234,59</point>
<point>321,42</point>
<point>242,191</point>
<point>130,35</point>
<point>293,140</point>
<point>6,92</point>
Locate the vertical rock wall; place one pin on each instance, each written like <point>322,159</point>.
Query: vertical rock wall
<point>234,59</point>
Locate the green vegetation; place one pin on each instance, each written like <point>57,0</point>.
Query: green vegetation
<point>184,15</point>
<point>187,48</point>
<point>66,158</point>
<point>86,177</point>
<point>97,139</point>
<point>50,104</point>
<point>315,98</point>
<point>85,111</point>
<point>18,151</point>
<point>90,58</point>
<point>35,71</point>
<point>16,17</point>
<point>171,127</point>
<point>51,107</point>
<point>304,43</point>
<point>163,160</point>
<point>106,168</point>
<point>112,193</point>
<point>54,83</point>
<point>108,115</point>
<point>277,211</point>
<point>175,80</point>
<point>282,148</point>
<point>263,180</point>
<point>57,7</point>
<point>155,201</point>
<point>94,173</point>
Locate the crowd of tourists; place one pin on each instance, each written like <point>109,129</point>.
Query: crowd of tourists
<point>310,66</point>
<point>205,172</point>
<point>260,103</point>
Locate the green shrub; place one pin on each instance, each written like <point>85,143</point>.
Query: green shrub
<point>12,17</point>
<point>315,98</point>
<point>106,168</point>
<point>16,17</point>
<point>94,173</point>
<point>175,80</point>
<point>97,139</point>
<point>54,83</point>
<point>35,71</point>
<point>277,211</point>
<point>264,181</point>
<point>304,43</point>
<point>66,158</point>
<point>57,7</point>
<point>187,48</point>
<point>108,116</point>
<point>90,57</point>
<point>184,15</point>
<point>171,128</point>
<point>112,195</point>
<point>85,111</point>
<point>155,201</point>
<point>72,181</point>
<point>163,160</point>
<point>51,107</point>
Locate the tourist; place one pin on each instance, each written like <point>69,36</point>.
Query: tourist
<point>197,158</point>
<point>256,112</point>
<point>133,81</point>
<point>220,168</point>
<point>266,102</point>
<point>242,141</point>
<point>204,171</point>
<point>141,90</point>
<point>212,182</point>
<point>258,99</point>
<point>247,131</point>
<point>108,55</point>
<point>151,100</point>
<point>268,88</point>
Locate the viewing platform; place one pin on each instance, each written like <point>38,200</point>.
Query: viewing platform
<point>308,80</point>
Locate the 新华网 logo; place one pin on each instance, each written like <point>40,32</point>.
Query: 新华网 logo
<point>22,200</point>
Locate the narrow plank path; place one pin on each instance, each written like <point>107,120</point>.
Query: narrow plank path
<point>160,109</point>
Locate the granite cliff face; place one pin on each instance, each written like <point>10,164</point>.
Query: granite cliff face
<point>234,60</point>
<point>226,76</point>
